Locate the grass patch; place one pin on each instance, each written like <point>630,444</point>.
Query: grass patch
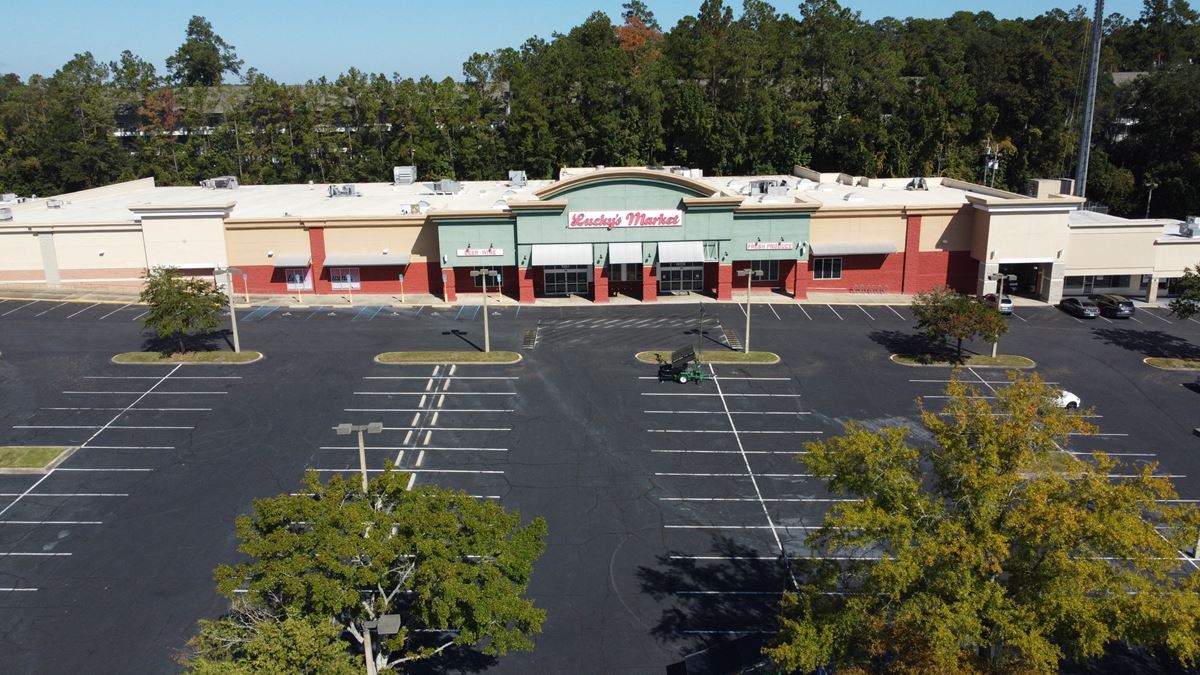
<point>1172,364</point>
<point>188,357</point>
<point>448,357</point>
<point>972,361</point>
<point>29,457</point>
<point>714,356</point>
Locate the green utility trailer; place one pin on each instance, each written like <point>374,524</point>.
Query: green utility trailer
<point>685,365</point>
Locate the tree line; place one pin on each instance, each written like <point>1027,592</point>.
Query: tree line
<point>754,91</point>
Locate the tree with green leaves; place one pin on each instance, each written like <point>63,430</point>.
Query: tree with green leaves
<point>1186,302</point>
<point>945,313</point>
<point>450,569</point>
<point>204,57</point>
<point>253,641</point>
<point>179,306</point>
<point>988,549</point>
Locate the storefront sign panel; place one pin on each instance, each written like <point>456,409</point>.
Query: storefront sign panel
<point>770,245</point>
<point>479,252</point>
<point>610,220</point>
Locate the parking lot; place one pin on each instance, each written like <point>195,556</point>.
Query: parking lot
<point>673,510</point>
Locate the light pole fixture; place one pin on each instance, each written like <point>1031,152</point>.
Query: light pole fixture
<point>750,274</point>
<point>370,428</point>
<point>228,272</point>
<point>482,275</point>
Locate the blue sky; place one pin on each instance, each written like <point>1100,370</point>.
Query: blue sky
<point>304,39</point>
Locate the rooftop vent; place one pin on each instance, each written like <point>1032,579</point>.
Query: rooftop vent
<point>447,187</point>
<point>917,184</point>
<point>854,197</point>
<point>404,175</point>
<point>5,213</point>
<point>346,190</point>
<point>763,186</point>
<point>220,183</point>
<point>8,197</point>
<point>1190,228</point>
<point>500,204</point>
<point>423,206</point>
<point>1194,221</point>
<point>54,203</point>
<point>517,178</point>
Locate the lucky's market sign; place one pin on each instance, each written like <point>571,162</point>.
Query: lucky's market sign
<point>610,220</point>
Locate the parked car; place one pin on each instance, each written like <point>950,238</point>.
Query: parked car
<point>1067,400</point>
<point>1117,306</point>
<point>1080,307</point>
<point>1000,303</point>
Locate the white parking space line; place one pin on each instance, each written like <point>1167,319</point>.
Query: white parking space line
<point>1193,320</point>
<point>684,393</point>
<point>68,494</point>
<point>17,590</point>
<point>1023,319</point>
<point>140,315</point>
<point>735,475</point>
<point>154,393</point>
<point>1113,454</point>
<point>114,311</point>
<point>356,470</point>
<point>403,447</point>
<point>1134,318</point>
<point>1075,433</point>
<point>806,315</point>
<point>35,554</point>
<point>896,313</point>
<point>100,470</point>
<point>94,426</point>
<point>51,522</point>
<point>835,312</point>
<point>724,431</point>
<point>448,377</point>
<point>444,410</point>
<point>772,308</point>
<point>446,428</point>
<point>721,412</point>
<point>91,438</point>
<point>733,452</point>
<point>1158,317</point>
<point>129,447</point>
<point>83,310</point>
<point>739,306</point>
<point>987,382</point>
<point>139,409</point>
<point>155,377</point>
<point>52,308</point>
<point>443,393</point>
<point>753,499</point>
<point>15,309</point>
<point>1105,319</point>
<point>865,312</point>
<point>742,527</point>
<point>752,379</point>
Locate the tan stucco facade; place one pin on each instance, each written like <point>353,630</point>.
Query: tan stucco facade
<point>377,239</point>
<point>1103,250</point>
<point>851,225</point>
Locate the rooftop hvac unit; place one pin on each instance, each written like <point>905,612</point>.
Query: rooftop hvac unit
<point>5,213</point>
<point>517,178</point>
<point>1194,221</point>
<point>447,187</point>
<point>763,186</point>
<point>681,171</point>
<point>8,197</point>
<point>404,175</point>
<point>918,184</point>
<point>346,190</point>
<point>1189,229</point>
<point>220,183</point>
<point>54,203</point>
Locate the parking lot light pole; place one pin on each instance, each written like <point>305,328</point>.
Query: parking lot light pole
<point>482,275</point>
<point>751,275</point>
<point>371,428</point>
<point>228,272</point>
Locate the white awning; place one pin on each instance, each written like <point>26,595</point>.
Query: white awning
<point>624,253</point>
<point>191,265</point>
<point>365,259</point>
<point>852,248</point>
<point>562,254</point>
<point>292,261</point>
<point>680,251</point>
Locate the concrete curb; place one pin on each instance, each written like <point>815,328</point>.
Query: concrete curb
<point>637,357</point>
<point>1183,370</point>
<point>892,358</point>
<point>54,464</point>
<point>520,358</point>
<point>74,300</point>
<point>114,360</point>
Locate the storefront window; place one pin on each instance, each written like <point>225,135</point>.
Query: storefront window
<point>710,251</point>
<point>298,279</point>
<point>494,280</point>
<point>769,269</point>
<point>827,268</point>
<point>344,278</point>
<point>625,272</point>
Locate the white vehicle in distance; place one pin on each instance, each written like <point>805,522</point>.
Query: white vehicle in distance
<point>1000,303</point>
<point>1067,400</point>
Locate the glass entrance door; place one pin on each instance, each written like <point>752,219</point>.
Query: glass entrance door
<point>678,277</point>
<point>566,280</point>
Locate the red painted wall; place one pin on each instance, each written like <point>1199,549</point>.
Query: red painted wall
<point>883,272</point>
<point>956,269</point>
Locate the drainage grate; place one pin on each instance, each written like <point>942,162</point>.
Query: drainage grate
<point>530,339</point>
<point>732,339</point>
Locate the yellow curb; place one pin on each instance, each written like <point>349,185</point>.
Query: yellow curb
<point>97,302</point>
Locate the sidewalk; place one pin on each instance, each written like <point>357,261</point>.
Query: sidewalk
<point>129,296</point>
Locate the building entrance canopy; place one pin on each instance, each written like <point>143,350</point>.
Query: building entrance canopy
<point>292,261</point>
<point>853,248</point>
<point>680,251</point>
<point>625,253</point>
<point>561,254</point>
<point>365,259</point>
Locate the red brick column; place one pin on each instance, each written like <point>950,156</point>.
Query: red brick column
<point>316,249</point>
<point>912,256</point>
<point>448,284</point>
<point>799,280</point>
<point>649,284</point>
<point>525,286</point>
<point>725,281</point>
<point>600,287</point>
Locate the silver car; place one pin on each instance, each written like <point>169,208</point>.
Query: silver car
<point>1000,303</point>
